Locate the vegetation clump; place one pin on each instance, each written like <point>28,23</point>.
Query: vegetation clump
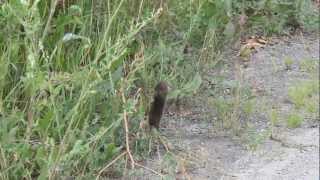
<point>294,120</point>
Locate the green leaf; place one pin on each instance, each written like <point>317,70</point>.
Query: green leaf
<point>193,85</point>
<point>174,94</point>
<point>229,30</point>
<point>111,150</point>
<point>44,122</point>
<point>116,62</point>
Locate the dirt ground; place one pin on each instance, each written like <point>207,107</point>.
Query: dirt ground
<point>206,151</point>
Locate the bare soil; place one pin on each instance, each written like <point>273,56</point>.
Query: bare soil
<point>203,150</point>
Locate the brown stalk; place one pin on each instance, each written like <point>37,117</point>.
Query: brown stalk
<point>108,165</point>
<point>125,122</point>
<point>151,170</point>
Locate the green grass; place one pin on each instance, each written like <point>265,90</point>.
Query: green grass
<point>312,105</point>
<point>249,106</point>
<point>288,61</point>
<point>254,138</point>
<point>301,92</point>
<point>309,65</point>
<point>72,76</point>
<point>294,120</point>
<point>273,116</point>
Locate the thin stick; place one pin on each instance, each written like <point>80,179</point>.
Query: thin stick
<point>108,165</point>
<point>52,10</point>
<point>164,143</point>
<point>125,122</point>
<point>151,170</point>
<point>183,169</point>
<point>158,152</point>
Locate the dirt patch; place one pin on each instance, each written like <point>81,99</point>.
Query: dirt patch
<point>209,152</point>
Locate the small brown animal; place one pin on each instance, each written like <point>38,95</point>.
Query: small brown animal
<point>159,99</point>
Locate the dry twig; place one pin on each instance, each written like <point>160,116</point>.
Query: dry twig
<point>151,170</point>
<point>108,165</point>
<point>125,122</point>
